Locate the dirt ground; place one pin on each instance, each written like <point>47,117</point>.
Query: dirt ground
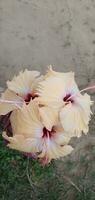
<point>37,33</point>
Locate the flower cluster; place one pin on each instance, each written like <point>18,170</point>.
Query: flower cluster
<point>43,113</point>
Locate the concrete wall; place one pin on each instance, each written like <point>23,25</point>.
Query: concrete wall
<point>36,33</point>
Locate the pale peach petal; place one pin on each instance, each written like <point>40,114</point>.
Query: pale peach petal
<point>24,83</point>
<point>84,101</point>
<point>50,150</point>
<point>36,145</point>
<point>9,102</point>
<point>53,151</point>
<point>26,121</point>
<point>75,116</point>
<point>52,73</point>
<point>67,149</point>
<point>19,142</point>
<point>49,116</point>
<point>53,89</point>
<point>71,119</point>
<point>61,138</point>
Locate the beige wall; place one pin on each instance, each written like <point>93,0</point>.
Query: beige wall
<point>36,33</point>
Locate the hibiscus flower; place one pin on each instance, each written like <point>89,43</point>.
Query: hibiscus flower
<point>31,136</point>
<point>21,89</point>
<point>61,90</point>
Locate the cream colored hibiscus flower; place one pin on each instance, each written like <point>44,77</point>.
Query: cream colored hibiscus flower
<point>31,136</point>
<point>61,90</point>
<point>21,89</point>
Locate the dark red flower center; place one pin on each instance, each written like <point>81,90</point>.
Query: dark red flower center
<point>68,99</point>
<point>47,133</point>
<point>29,97</point>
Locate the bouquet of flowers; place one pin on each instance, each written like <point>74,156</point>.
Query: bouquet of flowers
<point>41,114</point>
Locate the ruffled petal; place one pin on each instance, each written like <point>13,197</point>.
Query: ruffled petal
<point>75,116</point>
<point>84,101</point>
<point>49,116</point>
<point>21,143</point>
<point>61,138</point>
<point>52,73</point>
<point>24,83</point>
<point>52,150</point>
<point>54,87</point>
<point>67,149</point>
<point>26,121</point>
<point>9,102</point>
